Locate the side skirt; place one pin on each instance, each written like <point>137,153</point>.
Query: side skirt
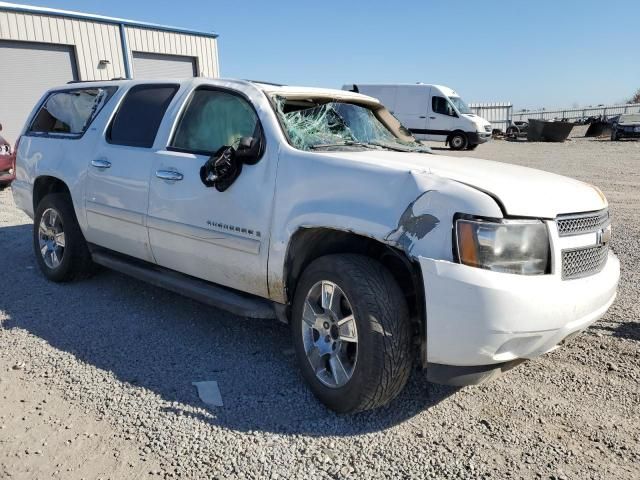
<point>236,302</point>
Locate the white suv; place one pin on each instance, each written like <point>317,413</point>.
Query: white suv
<point>317,207</point>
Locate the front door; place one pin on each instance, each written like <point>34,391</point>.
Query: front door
<point>441,118</point>
<point>117,186</point>
<point>219,236</point>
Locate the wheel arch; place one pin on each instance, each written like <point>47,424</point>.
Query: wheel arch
<point>454,132</point>
<point>307,244</point>
<point>45,185</point>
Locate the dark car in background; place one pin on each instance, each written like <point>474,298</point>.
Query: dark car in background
<point>7,163</point>
<point>626,126</point>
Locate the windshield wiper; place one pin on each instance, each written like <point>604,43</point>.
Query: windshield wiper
<point>372,145</point>
<point>402,149</point>
<point>343,144</point>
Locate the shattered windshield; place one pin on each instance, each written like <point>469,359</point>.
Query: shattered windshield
<point>460,105</point>
<point>339,125</point>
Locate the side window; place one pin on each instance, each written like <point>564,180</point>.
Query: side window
<point>70,111</point>
<point>138,118</point>
<point>441,105</point>
<point>214,119</point>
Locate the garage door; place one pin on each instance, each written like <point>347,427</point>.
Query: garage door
<point>28,70</point>
<point>153,65</point>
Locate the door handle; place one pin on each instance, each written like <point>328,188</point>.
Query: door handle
<point>422,116</point>
<point>101,163</point>
<point>432,118</point>
<point>171,175</point>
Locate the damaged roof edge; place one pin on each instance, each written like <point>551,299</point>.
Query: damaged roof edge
<point>14,7</point>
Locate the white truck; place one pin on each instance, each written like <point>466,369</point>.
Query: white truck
<point>316,207</point>
<point>430,112</point>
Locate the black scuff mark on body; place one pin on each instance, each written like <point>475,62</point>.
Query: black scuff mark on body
<point>413,225</point>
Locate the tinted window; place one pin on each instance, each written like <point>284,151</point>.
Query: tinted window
<point>214,119</point>
<point>70,112</point>
<point>442,105</point>
<point>140,114</point>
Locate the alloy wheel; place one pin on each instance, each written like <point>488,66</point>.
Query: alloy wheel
<point>51,238</point>
<point>330,334</point>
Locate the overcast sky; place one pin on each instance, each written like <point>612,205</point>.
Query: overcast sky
<point>533,53</point>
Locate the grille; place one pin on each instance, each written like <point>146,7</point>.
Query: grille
<point>582,262</point>
<point>584,223</point>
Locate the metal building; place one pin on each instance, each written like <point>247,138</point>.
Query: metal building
<point>42,47</point>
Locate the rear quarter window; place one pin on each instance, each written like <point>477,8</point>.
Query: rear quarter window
<point>137,120</point>
<point>70,112</point>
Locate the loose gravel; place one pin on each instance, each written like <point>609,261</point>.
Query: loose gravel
<point>122,354</point>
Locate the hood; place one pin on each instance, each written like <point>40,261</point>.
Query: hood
<point>523,192</point>
<point>478,121</point>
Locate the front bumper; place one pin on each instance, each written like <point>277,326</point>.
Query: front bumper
<point>623,133</point>
<point>7,169</point>
<point>477,317</point>
<point>476,138</point>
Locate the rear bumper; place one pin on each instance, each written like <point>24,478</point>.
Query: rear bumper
<point>476,317</point>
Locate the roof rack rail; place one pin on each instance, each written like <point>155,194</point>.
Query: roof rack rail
<point>266,83</point>
<point>94,81</point>
<point>80,81</point>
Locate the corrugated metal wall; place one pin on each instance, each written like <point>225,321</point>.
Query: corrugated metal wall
<point>497,113</point>
<point>573,114</point>
<point>204,49</point>
<point>94,41</point>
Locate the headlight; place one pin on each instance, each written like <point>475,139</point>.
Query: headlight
<point>509,246</point>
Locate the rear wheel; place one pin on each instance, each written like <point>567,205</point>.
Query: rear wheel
<point>458,141</point>
<point>614,135</point>
<point>351,332</point>
<point>60,248</point>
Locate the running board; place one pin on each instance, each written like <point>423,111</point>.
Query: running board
<point>224,298</point>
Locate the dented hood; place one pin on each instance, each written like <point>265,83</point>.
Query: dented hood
<point>523,191</point>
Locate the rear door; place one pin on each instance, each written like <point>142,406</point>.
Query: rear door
<point>117,184</point>
<point>219,236</point>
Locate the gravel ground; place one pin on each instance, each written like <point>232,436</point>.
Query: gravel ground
<point>113,359</point>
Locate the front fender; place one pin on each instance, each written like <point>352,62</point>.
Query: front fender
<point>409,210</point>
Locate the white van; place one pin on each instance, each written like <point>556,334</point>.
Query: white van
<point>431,112</point>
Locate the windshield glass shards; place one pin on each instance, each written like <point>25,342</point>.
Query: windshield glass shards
<point>338,125</point>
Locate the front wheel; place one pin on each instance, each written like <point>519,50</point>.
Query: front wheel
<point>351,332</point>
<point>458,141</point>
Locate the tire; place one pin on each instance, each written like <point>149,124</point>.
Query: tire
<point>458,141</point>
<point>614,135</point>
<point>472,147</point>
<point>377,366</point>
<point>56,229</point>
